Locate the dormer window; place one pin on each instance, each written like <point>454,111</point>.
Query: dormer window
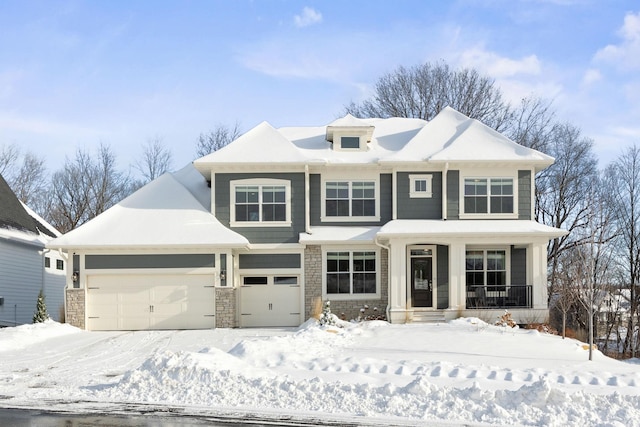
<point>350,134</point>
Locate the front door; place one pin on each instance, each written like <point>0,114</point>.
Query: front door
<point>422,277</point>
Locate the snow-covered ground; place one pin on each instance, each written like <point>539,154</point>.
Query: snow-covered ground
<point>372,373</point>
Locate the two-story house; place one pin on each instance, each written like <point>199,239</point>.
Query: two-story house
<point>424,221</point>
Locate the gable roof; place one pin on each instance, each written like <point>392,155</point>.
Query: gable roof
<point>150,218</point>
<point>449,137</point>
<point>262,144</point>
<point>14,215</point>
<point>453,137</point>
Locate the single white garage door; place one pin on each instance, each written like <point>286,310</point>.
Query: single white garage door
<point>268,301</point>
<point>139,302</point>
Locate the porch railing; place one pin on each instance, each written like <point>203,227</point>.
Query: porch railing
<point>487,297</point>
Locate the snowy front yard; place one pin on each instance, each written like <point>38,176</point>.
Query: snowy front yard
<point>464,371</point>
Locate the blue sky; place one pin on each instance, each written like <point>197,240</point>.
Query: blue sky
<point>76,73</point>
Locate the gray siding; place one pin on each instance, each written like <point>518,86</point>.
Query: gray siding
<point>263,234</point>
<point>443,276</point>
<point>453,194</point>
<point>266,261</point>
<point>524,194</point>
<point>419,208</point>
<point>21,269</point>
<point>149,261</point>
<point>315,200</point>
<point>519,266</point>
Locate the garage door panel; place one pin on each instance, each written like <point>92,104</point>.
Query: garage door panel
<point>270,305</point>
<point>137,302</point>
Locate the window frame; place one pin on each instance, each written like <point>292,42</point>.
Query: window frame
<point>260,183</point>
<point>485,268</point>
<point>60,265</point>
<point>350,179</point>
<point>427,193</point>
<point>488,178</point>
<point>351,295</point>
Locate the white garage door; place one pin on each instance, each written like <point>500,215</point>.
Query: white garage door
<point>269,301</point>
<point>138,302</point>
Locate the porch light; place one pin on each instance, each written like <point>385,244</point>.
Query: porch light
<point>75,276</point>
<point>223,276</point>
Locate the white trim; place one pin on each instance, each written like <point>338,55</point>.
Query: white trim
<point>488,175</point>
<point>484,249</point>
<point>260,182</point>
<point>434,275</point>
<point>427,193</point>
<point>350,178</point>
<point>351,296</point>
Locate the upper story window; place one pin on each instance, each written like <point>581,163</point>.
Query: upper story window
<point>350,134</point>
<point>350,200</point>
<point>491,196</point>
<point>420,186</point>
<point>260,203</point>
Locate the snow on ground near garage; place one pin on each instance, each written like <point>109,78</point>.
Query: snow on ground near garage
<point>464,371</point>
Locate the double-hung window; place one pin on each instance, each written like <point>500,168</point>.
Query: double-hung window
<point>486,268</point>
<point>351,273</point>
<point>350,200</point>
<point>260,203</point>
<point>488,196</point>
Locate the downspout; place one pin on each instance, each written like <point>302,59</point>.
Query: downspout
<point>394,192</point>
<point>213,194</point>
<point>444,191</point>
<point>66,282</point>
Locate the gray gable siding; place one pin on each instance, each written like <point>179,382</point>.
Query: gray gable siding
<point>315,200</point>
<point>419,208</point>
<point>268,261</point>
<point>263,234</point>
<point>453,194</point>
<point>524,194</point>
<point>443,276</point>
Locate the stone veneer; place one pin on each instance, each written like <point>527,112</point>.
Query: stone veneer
<point>226,308</point>
<point>346,309</point>
<point>74,314</point>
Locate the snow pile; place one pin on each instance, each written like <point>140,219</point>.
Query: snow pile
<point>461,372</point>
<point>310,371</point>
<point>25,335</point>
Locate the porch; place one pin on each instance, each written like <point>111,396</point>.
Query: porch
<point>492,297</point>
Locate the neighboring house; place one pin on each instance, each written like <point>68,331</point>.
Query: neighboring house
<point>425,221</point>
<point>26,267</point>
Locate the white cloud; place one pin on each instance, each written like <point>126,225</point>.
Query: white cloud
<point>308,17</point>
<point>498,66</point>
<point>626,54</point>
<point>591,76</point>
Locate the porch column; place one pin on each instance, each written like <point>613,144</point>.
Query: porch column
<point>457,293</point>
<point>397,310</point>
<point>539,275</point>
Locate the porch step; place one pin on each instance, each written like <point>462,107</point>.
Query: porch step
<point>428,317</point>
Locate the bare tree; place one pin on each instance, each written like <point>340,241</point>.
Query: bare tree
<point>562,188</point>
<point>624,177</point>
<point>216,138</point>
<point>26,175</point>
<point>156,159</point>
<point>84,188</point>
<point>532,124</point>
<point>422,91</point>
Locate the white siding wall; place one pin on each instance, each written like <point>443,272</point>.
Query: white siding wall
<point>20,281</point>
<point>54,282</point>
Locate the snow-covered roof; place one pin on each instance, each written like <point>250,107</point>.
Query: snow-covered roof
<point>19,223</point>
<point>351,235</point>
<point>170,211</point>
<point>263,144</point>
<point>468,229</point>
<point>453,137</point>
<point>449,137</point>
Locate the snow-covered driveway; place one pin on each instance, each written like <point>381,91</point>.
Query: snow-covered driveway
<point>372,373</point>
